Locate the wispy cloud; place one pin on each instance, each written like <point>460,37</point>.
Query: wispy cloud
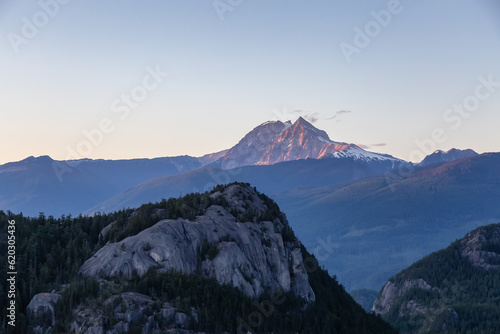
<point>365,147</point>
<point>337,114</point>
<point>312,117</point>
<point>343,112</point>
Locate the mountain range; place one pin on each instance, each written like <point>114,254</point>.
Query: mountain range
<point>363,218</point>
<point>370,229</point>
<point>42,184</point>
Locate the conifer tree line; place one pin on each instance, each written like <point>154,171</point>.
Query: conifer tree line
<point>50,252</point>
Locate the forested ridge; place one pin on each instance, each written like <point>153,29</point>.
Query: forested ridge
<point>50,251</point>
<point>463,295</point>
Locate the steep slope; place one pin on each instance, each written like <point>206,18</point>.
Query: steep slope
<point>169,301</point>
<point>207,159</point>
<point>450,155</point>
<point>42,184</point>
<point>454,290</point>
<point>274,142</point>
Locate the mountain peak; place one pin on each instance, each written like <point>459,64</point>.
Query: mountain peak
<point>271,122</point>
<point>274,141</point>
<point>439,156</point>
<point>39,158</point>
<point>304,124</point>
<point>302,121</point>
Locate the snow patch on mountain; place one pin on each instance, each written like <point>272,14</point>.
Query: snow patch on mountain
<point>357,153</point>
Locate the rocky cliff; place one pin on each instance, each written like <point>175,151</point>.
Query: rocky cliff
<point>448,291</point>
<point>41,311</point>
<point>250,255</point>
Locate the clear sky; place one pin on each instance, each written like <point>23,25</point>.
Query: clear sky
<point>376,73</point>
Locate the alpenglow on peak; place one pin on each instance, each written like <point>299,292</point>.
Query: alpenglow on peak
<point>275,141</point>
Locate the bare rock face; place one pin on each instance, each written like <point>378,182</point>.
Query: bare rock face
<point>384,300</point>
<point>128,309</point>
<point>249,255</point>
<point>41,310</point>
<point>480,247</point>
<point>391,291</point>
<point>412,307</point>
<point>274,142</point>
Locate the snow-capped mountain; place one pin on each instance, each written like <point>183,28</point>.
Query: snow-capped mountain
<point>450,155</point>
<point>275,141</point>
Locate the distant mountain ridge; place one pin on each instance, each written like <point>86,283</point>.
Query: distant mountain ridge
<point>56,187</point>
<point>369,229</point>
<point>42,184</point>
<point>450,155</point>
<point>274,179</point>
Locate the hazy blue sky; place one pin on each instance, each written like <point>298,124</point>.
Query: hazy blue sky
<point>64,69</point>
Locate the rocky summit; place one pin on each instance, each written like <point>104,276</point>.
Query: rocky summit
<point>250,255</point>
<point>275,141</point>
